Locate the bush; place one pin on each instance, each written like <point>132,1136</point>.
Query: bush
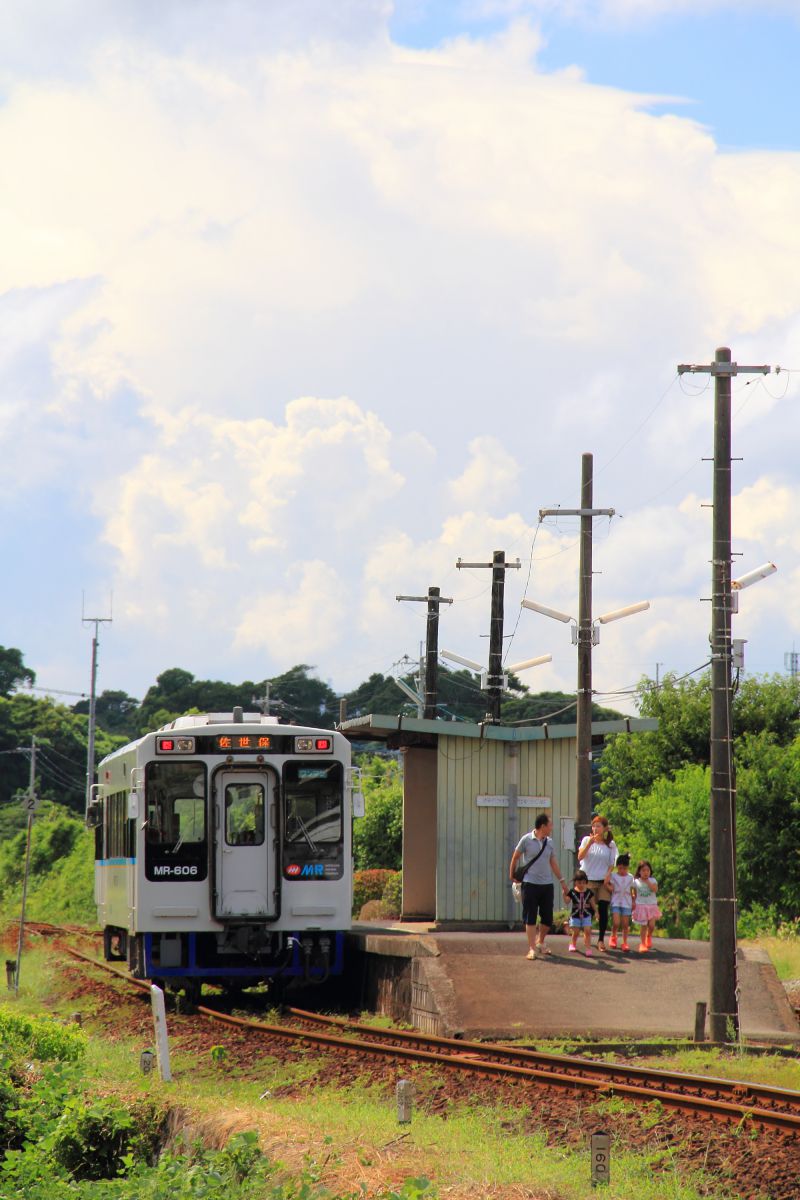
<point>41,1037</point>
<point>93,1141</point>
<point>393,895</point>
<point>368,885</point>
<point>373,910</point>
<point>759,921</point>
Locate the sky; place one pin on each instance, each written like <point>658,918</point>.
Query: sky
<point>302,303</point>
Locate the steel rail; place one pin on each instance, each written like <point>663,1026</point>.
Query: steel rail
<point>603,1071</point>
<point>567,1078</point>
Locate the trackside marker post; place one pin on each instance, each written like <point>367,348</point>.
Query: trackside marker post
<point>160,1025</point>
<point>405,1097</point>
<point>601,1158</point>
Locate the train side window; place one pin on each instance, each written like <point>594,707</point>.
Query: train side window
<point>244,814</point>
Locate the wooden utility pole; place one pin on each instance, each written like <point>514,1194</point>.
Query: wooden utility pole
<point>585,641</point>
<point>494,676</point>
<point>433,599</point>
<point>724,1008</point>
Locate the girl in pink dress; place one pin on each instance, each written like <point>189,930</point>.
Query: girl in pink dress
<point>645,904</point>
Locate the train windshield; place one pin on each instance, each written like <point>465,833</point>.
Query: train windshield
<point>313,799</point>
<point>176,805</point>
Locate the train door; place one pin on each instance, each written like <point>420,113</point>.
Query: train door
<point>246,844</point>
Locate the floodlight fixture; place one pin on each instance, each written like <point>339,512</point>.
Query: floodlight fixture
<point>618,613</point>
<point>768,568</point>
<point>547,612</point>
<point>465,662</point>
<point>530,662</point>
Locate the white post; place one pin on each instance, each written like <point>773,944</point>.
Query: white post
<point>160,1025</point>
<point>405,1100</point>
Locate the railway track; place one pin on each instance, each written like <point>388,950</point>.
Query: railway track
<point>714,1098</point>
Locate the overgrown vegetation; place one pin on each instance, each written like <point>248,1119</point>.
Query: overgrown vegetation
<point>655,791</point>
<point>61,883</point>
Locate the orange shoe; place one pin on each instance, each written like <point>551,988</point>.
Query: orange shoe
<point>625,948</point>
<point>612,941</point>
<point>643,946</point>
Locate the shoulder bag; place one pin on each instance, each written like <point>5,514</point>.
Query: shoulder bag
<point>522,868</point>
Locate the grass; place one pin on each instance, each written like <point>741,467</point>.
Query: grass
<point>345,1137</point>
<point>784,953</point>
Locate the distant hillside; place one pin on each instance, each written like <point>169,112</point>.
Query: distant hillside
<point>61,881</point>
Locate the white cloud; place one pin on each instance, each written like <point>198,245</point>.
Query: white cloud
<point>489,478</point>
<point>309,614</point>
<point>318,316</point>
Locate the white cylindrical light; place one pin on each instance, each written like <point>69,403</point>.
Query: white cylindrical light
<point>623,612</point>
<point>762,572</point>
<point>465,662</point>
<point>547,612</point>
<point>530,662</point>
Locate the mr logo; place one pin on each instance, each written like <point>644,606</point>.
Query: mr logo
<point>313,869</point>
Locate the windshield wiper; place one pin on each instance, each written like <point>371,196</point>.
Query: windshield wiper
<point>301,824</point>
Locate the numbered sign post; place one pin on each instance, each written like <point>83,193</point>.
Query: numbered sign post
<point>601,1158</point>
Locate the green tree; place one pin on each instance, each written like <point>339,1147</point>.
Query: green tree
<point>378,835</point>
<point>116,712</point>
<point>296,695</point>
<point>668,825</point>
<point>13,671</point>
<point>646,779</point>
<point>302,698</point>
<point>768,822</point>
<point>378,694</point>
<point>558,708</point>
<point>632,763</point>
<point>61,738</point>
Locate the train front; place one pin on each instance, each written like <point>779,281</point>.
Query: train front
<point>243,851</point>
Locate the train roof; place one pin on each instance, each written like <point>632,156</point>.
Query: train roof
<point>192,720</point>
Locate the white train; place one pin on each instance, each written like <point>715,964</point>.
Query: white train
<point>223,851</point>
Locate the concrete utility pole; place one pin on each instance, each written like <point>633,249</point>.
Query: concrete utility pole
<point>494,677</point>
<point>30,803</point>
<point>723,1008</point>
<point>585,640</point>
<point>90,763</point>
<point>433,600</point>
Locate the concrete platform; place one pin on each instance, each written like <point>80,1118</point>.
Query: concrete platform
<point>480,984</point>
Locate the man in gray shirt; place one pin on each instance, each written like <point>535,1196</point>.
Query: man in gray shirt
<point>537,849</point>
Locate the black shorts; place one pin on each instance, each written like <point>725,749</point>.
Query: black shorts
<point>537,900</point>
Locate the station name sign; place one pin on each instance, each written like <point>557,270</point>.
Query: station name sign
<point>522,801</point>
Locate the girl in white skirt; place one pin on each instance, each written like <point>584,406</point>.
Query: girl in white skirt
<point>645,903</point>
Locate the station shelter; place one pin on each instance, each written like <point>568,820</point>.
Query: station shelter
<point>469,793</point>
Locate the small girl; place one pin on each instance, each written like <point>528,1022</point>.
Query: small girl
<point>582,898</point>
<point>620,884</point>
<point>645,909</point>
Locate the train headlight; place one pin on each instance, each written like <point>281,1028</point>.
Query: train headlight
<point>175,745</point>
<point>313,745</point>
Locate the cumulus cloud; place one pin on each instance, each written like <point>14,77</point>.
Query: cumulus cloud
<point>490,476</point>
<point>305,314</point>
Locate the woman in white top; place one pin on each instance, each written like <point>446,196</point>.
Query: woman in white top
<point>597,855</point>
